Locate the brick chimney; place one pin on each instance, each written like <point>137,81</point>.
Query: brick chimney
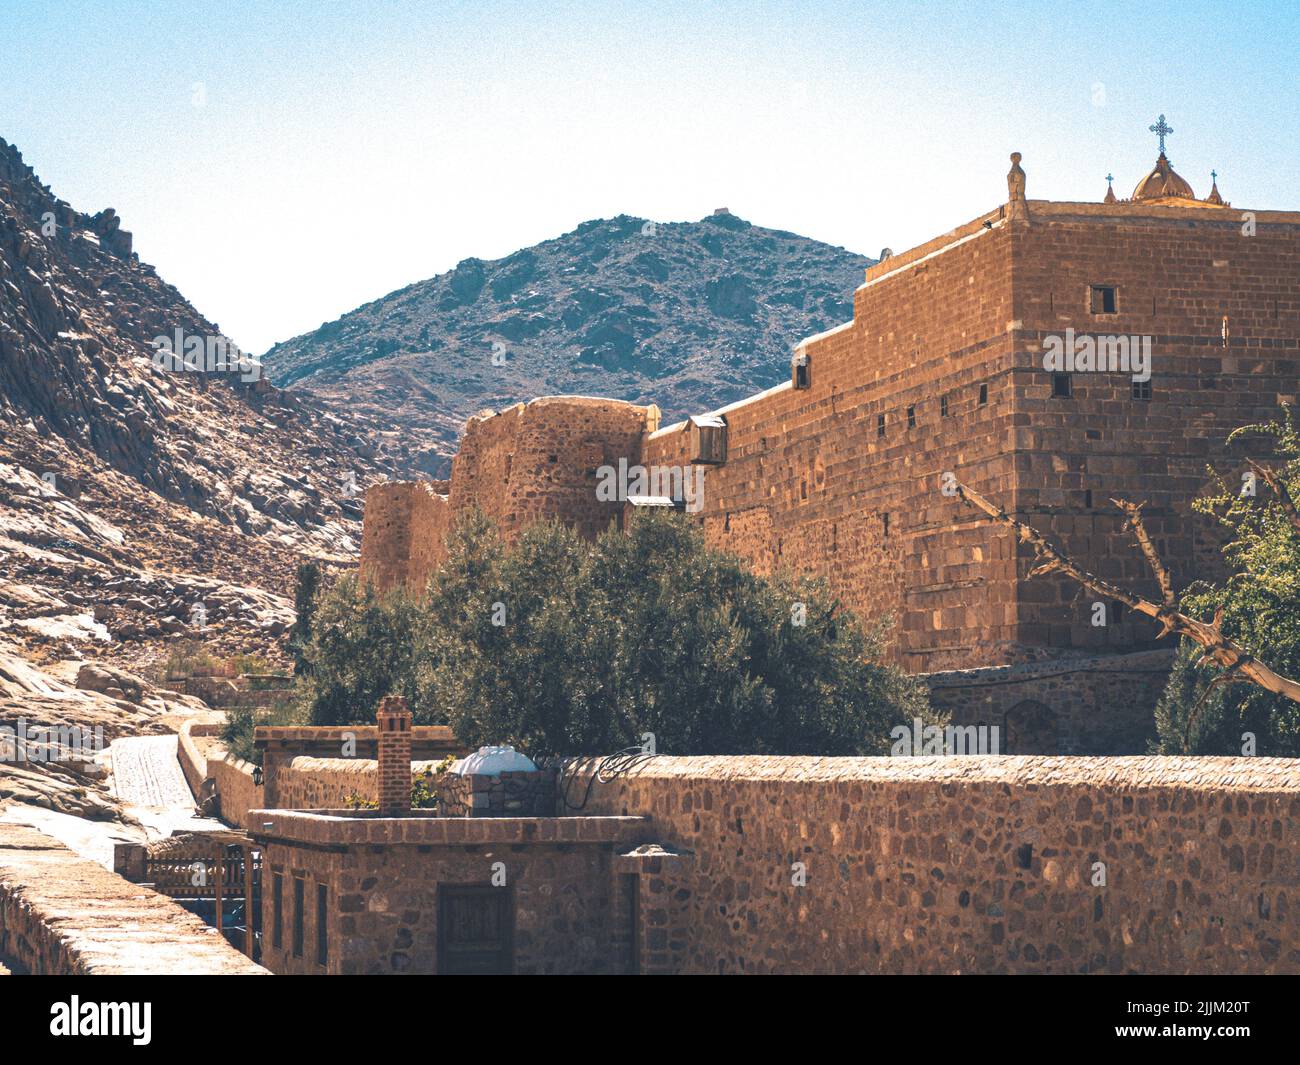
<point>394,722</point>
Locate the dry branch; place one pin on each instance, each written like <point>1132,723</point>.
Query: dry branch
<point>1218,648</point>
<point>1133,511</point>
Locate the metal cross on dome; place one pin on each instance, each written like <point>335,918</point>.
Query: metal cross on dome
<point>1161,129</point>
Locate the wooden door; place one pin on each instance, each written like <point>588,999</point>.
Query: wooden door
<point>475,930</point>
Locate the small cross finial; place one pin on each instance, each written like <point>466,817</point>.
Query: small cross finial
<point>1214,176</point>
<point>1161,129</point>
<point>1110,178</point>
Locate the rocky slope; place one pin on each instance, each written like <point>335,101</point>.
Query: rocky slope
<point>686,315</point>
<point>145,498</point>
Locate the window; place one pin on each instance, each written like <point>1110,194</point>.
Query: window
<point>984,395</point>
<point>911,417</point>
<point>277,910</point>
<point>1141,389</point>
<point>880,425</point>
<point>802,371</point>
<point>1061,386</point>
<point>299,889</point>
<point>884,523</point>
<point>322,925</point>
<point>1087,499</point>
<point>943,406</point>
<point>1102,299</point>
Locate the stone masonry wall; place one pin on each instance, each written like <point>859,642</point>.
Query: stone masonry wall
<point>1222,309</point>
<point>1100,705</point>
<point>378,884</point>
<point>329,783</point>
<point>811,482</point>
<point>531,461</point>
<point>940,373</point>
<point>48,928</point>
<point>202,758</point>
<point>404,535</point>
<point>539,460</point>
<point>978,864</point>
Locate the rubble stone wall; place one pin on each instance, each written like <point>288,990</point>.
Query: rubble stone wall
<point>977,864</point>
<point>62,915</point>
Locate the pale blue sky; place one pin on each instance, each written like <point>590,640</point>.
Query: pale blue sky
<point>282,163</point>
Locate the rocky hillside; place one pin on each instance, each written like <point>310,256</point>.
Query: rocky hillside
<point>144,496</point>
<point>686,315</point>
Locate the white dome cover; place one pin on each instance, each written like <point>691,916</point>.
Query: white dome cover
<point>493,761</point>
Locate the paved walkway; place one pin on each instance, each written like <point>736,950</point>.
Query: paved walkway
<point>148,779</point>
<point>146,772</point>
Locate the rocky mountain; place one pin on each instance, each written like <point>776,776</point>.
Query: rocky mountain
<point>687,315</point>
<point>148,490</point>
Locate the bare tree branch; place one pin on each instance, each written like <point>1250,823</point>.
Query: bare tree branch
<point>1280,490</point>
<point>1133,511</point>
<point>1218,648</point>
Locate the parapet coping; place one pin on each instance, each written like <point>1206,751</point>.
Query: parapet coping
<point>311,763</point>
<point>784,386</point>
<point>101,924</point>
<point>563,398</point>
<point>361,827</point>
<point>1029,771</point>
<point>328,733</point>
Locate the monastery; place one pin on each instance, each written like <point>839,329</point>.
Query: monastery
<point>951,371</point>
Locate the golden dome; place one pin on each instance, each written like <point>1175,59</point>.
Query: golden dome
<point>1162,182</point>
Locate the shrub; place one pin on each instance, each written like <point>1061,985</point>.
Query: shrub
<point>1261,612</point>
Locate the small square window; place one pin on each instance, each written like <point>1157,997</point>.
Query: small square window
<point>1141,389</point>
<point>943,406</point>
<point>880,425</point>
<point>984,395</point>
<point>911,417</point>
<point>1103,299</point>
<point>1062,387</point>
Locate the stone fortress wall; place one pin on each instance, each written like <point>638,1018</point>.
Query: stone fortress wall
<point>939,373</point>
<point>529,462</point>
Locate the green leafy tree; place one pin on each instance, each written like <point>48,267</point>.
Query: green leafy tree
<point>1203,709</point>
<point>306,588</point>
<point>362,648</point>
<point>564,647</point>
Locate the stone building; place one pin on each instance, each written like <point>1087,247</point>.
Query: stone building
<point>1052,356</point>
<point>752,864</point>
